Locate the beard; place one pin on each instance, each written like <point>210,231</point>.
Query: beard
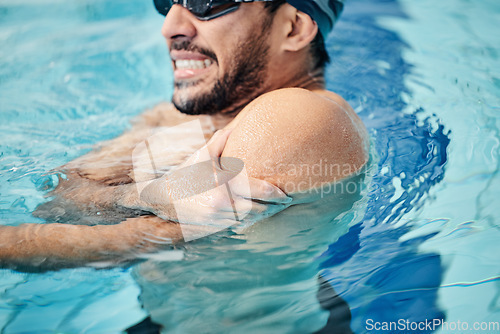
<point>236,87</point>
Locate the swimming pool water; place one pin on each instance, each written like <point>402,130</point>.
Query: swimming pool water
<point>457,54</point>
<point>422,75</point>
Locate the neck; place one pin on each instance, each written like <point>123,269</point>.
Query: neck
<point>311,80</point>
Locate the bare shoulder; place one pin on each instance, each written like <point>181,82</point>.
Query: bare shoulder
<point>312,111</point>
<point>283,134</point>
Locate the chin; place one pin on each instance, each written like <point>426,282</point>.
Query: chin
<point>189,107</point>
<point>191,101</point>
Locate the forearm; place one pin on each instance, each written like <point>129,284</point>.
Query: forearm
<point>53,246</point>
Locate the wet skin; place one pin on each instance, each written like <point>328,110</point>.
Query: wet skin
<point>289,121</point>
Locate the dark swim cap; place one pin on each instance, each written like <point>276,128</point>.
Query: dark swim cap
<point>324,12</point>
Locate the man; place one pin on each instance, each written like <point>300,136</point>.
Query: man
<point>254,70</point>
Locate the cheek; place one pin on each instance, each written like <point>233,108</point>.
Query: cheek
<point>225,57</point>
<point>224,37</point>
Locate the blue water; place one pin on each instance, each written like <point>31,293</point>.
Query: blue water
<point>423,77</point>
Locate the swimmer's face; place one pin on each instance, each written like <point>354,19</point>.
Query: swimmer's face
<point>221,64</point>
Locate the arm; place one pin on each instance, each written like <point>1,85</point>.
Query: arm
<point>293,138</point>
<point>54,246</point>
<point>300,140</point>
<point>290,132</point>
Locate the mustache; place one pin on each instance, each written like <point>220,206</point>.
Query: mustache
<point>190,47</point>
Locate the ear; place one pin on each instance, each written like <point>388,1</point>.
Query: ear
<point>302,30</point>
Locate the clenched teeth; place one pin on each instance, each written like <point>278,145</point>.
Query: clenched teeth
<point>184,64</point>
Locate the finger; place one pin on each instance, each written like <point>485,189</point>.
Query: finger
<point>212,149</point>
<point>217,143</point>
<point>259,190</point>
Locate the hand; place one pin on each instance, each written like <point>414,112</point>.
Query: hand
<point>86,201</point>
<point>211,191</point>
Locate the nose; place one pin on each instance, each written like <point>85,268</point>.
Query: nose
<point>178,24</point>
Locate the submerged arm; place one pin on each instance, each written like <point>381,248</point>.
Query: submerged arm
<point>54,246</point>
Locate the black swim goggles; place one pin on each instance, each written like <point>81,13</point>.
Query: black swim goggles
<point>202,9</point>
